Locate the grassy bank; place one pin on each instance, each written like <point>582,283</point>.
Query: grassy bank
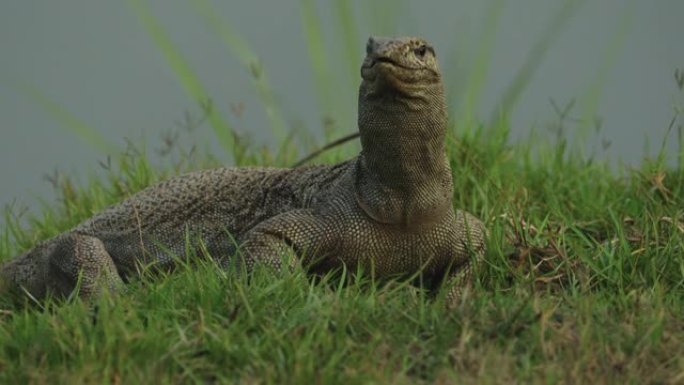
<point>583,283</point>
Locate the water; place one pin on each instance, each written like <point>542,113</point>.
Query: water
<point>96,60</point>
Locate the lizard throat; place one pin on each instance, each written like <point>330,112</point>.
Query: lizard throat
<point>404,159</point>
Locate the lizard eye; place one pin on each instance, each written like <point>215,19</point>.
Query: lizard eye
<point>420,51</point>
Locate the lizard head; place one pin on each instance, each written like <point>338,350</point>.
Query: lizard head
<point>403,65</point>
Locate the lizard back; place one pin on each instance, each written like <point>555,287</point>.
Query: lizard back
<point>216,207</point>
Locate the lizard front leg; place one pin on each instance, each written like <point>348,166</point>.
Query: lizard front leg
<point>289,237</point>
<point>60,265</point>
<point>468,253</point>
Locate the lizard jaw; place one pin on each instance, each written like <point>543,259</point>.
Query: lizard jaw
<point>374,67</point>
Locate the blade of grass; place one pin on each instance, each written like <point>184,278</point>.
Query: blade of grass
<point>350,57</point>
<point>190,82</point>
<point>590,101</point>
<point>317,55</point>
<point>68,120</point>
<point>249,59</point>
<point>480,65</point>
<point>535,57</point>
<point>349,35</point>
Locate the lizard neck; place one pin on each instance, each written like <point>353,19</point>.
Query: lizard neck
<point>403,174</point>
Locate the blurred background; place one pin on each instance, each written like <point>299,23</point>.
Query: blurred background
<point>81,80</point>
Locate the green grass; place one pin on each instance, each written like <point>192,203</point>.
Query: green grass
<point>583,281</point>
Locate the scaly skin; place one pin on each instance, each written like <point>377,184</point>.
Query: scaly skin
<point>389,210</point>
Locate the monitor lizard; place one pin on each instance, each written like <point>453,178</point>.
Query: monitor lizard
<point>388,211</point>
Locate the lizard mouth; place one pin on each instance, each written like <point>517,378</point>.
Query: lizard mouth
<point>382,59</point>
<point>375,66</point>
<point>372,66</point>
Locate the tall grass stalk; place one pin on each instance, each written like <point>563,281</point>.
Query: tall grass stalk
<point>479,66</point>
<point>348,33</point>
<point>250,60</point>
<point>313,32</point>
<point>535,57</point>
<point>187,78</point>
<point>591,98</point>
<point>68,120</point>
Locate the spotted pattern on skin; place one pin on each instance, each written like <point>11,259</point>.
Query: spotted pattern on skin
<point>389,210</point>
